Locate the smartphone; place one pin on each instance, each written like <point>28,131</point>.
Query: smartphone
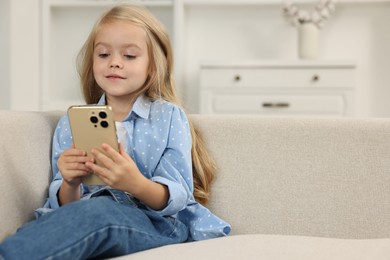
<point>91,126</point>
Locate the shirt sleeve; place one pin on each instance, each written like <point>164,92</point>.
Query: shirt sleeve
<point>62,139</point>
<point>175,166</point>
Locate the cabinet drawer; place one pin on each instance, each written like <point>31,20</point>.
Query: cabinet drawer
<point>329,105</point>
<point>281,77</point>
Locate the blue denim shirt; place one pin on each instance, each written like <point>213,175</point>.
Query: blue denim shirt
<point>159,141</point>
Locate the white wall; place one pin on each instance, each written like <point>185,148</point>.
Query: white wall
<point>4,54</point>
<point>25,54</point>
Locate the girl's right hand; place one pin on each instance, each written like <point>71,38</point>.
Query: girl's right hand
<point>71,164</point>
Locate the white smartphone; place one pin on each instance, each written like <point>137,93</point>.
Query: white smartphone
<point>91,126</point>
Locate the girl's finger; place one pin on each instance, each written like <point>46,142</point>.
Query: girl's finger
<point>98,171</point>
<point>102,157</point>
<point>78,159</point>
<point>79,173</point>
<point>74,151</point>
<point>112,153</point>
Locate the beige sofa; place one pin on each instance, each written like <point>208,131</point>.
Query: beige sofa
<point>292,188</point>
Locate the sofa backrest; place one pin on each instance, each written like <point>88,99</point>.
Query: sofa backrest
<point>301,176</point>
<point>316,177</point>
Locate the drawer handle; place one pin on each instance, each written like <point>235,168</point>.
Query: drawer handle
<point>315,78</point>
<point>276,105</point>
<point>237,78</point>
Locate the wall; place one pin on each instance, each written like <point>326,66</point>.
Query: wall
<point>4,54</point>
<point>25,54</point>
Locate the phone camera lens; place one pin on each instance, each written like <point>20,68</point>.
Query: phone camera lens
<point>94,119</point>
<point>102,114</point>
<point>104,124</point>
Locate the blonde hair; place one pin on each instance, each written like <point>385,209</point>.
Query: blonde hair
<point>159,83</point>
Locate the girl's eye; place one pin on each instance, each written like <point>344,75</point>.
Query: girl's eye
<point>103,55</point>
<point>129,57</point>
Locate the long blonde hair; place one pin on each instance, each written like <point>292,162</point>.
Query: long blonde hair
<point>159,83</point>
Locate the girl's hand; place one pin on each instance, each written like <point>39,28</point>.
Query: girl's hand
<point>117,170</point>
<point>120,172</point>
<point>71,164</point>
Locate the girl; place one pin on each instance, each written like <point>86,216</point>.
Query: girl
<point>157,179</point>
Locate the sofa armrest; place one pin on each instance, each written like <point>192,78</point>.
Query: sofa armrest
<point>25,139</point>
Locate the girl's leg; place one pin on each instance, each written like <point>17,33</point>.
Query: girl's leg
<point>100,227</point>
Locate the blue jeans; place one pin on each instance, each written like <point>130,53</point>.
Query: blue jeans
<point>104,226</point>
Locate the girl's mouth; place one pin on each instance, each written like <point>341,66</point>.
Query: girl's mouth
<point>114,76</point>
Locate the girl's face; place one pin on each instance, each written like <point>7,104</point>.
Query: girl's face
<point>120,59</point>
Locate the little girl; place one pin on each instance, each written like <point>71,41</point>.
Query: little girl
<point>156,180</point>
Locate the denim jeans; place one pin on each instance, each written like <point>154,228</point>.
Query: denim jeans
<point>104,226</point>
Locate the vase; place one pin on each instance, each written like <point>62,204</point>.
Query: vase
<point>308,34</point>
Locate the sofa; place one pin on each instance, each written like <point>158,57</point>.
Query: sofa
<point>292,188</point>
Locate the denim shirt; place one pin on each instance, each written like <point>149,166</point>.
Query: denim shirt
<point>159,142</point>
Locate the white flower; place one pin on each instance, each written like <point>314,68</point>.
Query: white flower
<point>315,17</point>
<point>318,16</point>
<point>303,15</point>
<point>325,13</point>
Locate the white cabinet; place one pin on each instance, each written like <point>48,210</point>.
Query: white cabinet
<point>300,88</point>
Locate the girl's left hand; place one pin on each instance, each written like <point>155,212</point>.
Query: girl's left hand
<point>117,170</point>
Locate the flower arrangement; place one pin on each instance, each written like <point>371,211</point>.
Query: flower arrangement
<point>322,12</point>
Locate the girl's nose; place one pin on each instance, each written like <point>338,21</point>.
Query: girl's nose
<point>116,63</point>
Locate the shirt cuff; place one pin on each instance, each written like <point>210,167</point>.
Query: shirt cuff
<point>178,197</point>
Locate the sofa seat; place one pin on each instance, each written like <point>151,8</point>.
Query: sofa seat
<point>272,247</point>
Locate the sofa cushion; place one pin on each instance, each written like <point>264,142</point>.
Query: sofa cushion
<point>272,247</point>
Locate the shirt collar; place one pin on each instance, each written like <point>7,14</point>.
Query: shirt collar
<point>141,106</point>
